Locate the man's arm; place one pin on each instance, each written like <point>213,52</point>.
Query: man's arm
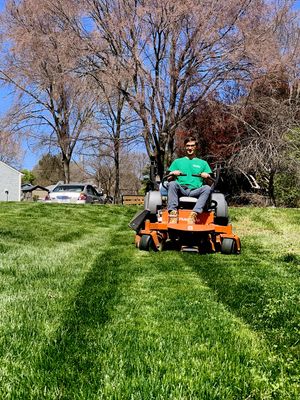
<point>173,170</point>
<point>206,173</point>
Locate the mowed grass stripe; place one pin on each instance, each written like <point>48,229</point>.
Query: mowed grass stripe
<point>38,284</point>
<point>186,345</point>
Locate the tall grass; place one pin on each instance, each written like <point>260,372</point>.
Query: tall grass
<point>85,315</point>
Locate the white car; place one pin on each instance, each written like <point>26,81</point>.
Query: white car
<point>76,193</point>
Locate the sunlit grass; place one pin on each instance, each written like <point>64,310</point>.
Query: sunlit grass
<point>85,315</point>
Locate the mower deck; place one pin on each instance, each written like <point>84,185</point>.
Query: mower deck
<point>203,236</point>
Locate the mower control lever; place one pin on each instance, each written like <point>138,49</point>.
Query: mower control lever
<point>170,174</point>
<point>165,178</point>
<point>209,177</point>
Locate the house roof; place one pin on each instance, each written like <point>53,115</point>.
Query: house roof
<point>26,185</point>
<point>8,166</point>
<point>31,188</point>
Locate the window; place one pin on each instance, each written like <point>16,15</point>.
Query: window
<point>67,188</point>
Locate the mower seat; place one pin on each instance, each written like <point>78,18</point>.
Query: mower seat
<point>187,202</point>
<point>216,202</point>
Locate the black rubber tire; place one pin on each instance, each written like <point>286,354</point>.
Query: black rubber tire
<point>146,243</point>
<point>221,213</point>
<point>228,246</point>
<point>152,201</point>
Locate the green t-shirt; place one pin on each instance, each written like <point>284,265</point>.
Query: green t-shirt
<point>189,167</point>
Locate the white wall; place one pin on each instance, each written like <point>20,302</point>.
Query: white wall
<point>10,180</point>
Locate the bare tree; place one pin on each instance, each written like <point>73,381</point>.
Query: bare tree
<point>172,54</point>
<point>10,148</point>
<point>131,167</point>
<point>101,168</point>
<point>115,130</point>
<point>11,151</point>
<point>52,102</point>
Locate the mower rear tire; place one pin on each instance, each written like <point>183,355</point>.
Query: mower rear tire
<point>228,246</point>
<point>221,212</point>
<point>152,202</point>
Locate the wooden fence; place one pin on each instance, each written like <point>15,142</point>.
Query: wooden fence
<point>132,199</point>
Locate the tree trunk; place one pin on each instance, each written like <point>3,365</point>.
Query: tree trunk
<point>164,154</point>
<point>66,168</point>
<point>116,144</point>
<point>117,167</point>
<point>117,180</point>
<point>160,165</point>
<point>271,191</point>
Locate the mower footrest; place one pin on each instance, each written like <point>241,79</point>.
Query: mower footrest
<point>193,249</point>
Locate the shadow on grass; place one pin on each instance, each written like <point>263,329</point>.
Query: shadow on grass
<point>71,360</point>
<point>261,289</point>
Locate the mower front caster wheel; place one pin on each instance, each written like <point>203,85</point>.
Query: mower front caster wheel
<point>146,243</point>
<point>228,246</point>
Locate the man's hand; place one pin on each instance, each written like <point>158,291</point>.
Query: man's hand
<point>176,172</point>
<point>173,174</point>
<point>205,175</point>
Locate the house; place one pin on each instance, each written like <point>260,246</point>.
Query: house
<point>10,183</point>
<point>34,192</point>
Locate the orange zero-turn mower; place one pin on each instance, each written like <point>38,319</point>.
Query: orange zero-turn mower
<point>211,232</point>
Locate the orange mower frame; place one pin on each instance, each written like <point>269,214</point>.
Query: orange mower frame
<point>211,232</point>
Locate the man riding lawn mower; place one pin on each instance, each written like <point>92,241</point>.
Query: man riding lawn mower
<point>186,213</point>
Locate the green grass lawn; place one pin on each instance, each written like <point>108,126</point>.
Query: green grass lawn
<point>85,315</point>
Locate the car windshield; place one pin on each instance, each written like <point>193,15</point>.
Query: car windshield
<point>69,188</point>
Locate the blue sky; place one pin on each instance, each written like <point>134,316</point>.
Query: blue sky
<point>31,157</point>
<point>297,4</point>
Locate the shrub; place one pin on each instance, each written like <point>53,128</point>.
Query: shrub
<point>287,190</point>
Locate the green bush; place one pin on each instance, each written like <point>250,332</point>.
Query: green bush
<point>287,190</point>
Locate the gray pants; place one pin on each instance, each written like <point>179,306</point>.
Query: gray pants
<point>175,191</point>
